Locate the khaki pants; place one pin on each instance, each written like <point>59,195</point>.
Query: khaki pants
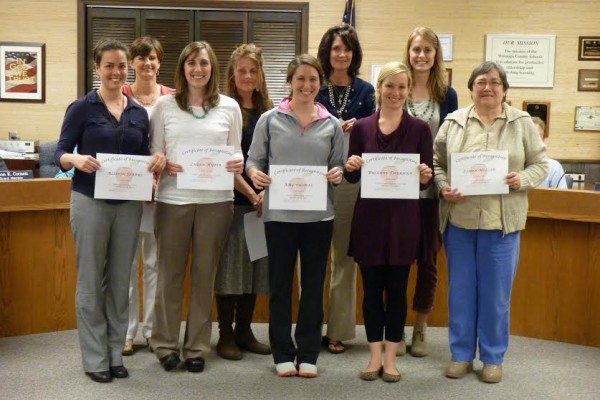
<point>341,319</point>
<point>206,225</point>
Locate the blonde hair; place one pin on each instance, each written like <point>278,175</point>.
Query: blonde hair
<point>389,69</point>
<point>436,83</point>
<point>260,97</point>
<point>211,98</point>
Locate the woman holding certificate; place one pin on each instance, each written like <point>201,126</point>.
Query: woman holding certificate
<point>430,99</point>
<point>200,132</point>
<point>384,240</point>
<point>105,231</point>
<point>145,58</point>
<point>348,98</point>
<point>238,279</point>
<point>495,152</point>
<point>297,154</point>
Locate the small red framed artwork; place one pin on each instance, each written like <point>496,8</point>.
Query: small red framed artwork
<point>22,72</point>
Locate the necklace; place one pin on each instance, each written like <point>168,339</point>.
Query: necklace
<point>206,110</point>
<point>150,100</point>
<point>340,106</point>
<point>120,110</point>
<point>427,114</point>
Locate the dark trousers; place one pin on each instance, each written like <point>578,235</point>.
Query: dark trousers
<point>387,313</point>
<point>430,244</point>
<point>284,241</point>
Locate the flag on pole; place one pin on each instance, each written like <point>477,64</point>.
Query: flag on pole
<point>349,16</point>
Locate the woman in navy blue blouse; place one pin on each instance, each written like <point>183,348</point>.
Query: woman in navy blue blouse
<point>348,98</point>
<point>105,231</point>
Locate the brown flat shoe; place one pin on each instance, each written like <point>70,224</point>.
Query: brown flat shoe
<point>391,378</point>
<point>371,375</point>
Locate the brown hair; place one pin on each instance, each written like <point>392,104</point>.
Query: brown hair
<point>436,83</point>
<point>350,39</point>
<point>260,97</point>
<point>104,45</point>
<point>143,46</point>
<point>484,68</point>
<point>303,59</point>
<point>211,98</point>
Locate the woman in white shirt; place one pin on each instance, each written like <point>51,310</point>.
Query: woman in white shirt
<point>196,115</point>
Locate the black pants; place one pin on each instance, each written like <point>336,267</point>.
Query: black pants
<point>390,314</point>
<point>284,240</point>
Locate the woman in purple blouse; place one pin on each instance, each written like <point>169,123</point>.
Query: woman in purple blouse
<point>385,232</point>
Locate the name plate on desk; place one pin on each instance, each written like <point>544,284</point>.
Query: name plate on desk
<point>16,175</point>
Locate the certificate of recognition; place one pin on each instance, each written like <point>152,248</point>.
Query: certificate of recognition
<point>123,177</point>
<point>479,172</point>
<point>298,187</point>
<point>390,176</point>
<point>204,167</point>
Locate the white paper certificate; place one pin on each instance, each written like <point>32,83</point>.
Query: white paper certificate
<point>204,167</point>
<point>298,187</point>
<point>479,172</point>
<point>390,176</point>
<point>254,230</point>
<point>123,177</point>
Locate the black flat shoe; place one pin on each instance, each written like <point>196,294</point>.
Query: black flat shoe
<point>102,376</point>
<point>170,361</point>
<point>195,364</point>
<point>119,372</point>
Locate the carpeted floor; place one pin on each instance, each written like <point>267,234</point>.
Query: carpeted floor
<point>48,366</point>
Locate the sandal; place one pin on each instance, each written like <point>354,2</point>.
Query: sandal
<point>336,347</point>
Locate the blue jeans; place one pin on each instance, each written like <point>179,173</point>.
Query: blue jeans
<point>481,269</point>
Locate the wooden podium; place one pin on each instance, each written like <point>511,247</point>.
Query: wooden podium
<point>556,295</point>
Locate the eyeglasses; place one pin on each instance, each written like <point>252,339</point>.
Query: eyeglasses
<point>483,83</point>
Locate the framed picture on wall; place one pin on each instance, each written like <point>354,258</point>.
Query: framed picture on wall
<point>540,109</point>
<point>22,72</point>
<point>589,48</point>
<point>587,118</point>
<point>588,80</point>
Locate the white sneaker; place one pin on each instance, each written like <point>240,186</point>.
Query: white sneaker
<point>286,369</point>
<point>307,370</point>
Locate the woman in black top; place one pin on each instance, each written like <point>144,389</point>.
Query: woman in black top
<point>238,279</point>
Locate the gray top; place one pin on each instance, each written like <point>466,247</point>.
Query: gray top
<point>284,142</point>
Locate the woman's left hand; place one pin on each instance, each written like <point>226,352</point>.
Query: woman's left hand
<point>425,173</point>
<point>513,181</point>
<point>157,163</point>
<point>334,175</point>
<point>348,125</point>
<point>259,204</point>
<point>236,165</point>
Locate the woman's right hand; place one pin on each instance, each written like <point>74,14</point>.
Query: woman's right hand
<point>173,168</point>
<point>259,178</point>
<point>85,163</point>
<point>451,195</point>
<point>354,163</point>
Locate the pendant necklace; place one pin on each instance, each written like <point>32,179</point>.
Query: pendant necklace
<point>426,115</point>
<point>340,107</point>
<point>152,97</point>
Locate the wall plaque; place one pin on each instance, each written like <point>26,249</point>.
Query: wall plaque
<point>527,59</point>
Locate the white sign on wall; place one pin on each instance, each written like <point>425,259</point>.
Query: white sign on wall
<point>527,59</point>
<point>446,42</point>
